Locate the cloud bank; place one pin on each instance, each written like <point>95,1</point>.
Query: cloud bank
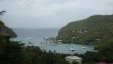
<point>51,13</point>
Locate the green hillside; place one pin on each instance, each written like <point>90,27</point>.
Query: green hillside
<point>92,30</point>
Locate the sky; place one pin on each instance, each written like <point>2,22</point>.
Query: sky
<point>51,13</point>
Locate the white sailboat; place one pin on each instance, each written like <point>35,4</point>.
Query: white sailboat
<point>71,49</point>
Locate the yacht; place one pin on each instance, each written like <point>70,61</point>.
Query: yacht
<point>71,49</point>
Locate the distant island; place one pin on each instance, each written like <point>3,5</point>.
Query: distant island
<point>92,30</point>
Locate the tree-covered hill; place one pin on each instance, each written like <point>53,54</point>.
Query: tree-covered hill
<point>92,30</point>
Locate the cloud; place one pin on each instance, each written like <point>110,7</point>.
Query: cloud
<point>51,13</point>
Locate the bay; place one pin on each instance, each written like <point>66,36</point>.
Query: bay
<point>37,36</point>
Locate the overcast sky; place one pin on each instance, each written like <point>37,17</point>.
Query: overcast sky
<point>51,13</point>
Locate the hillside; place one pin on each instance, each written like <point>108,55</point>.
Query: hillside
<point>6,31</point>
<point>92,30</point>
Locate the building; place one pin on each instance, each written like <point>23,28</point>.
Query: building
<point>71,59</point>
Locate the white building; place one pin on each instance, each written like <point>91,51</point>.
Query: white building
<point>71,59</point>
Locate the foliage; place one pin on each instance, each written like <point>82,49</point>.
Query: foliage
<point>15,53</point>
<point>10,53</point>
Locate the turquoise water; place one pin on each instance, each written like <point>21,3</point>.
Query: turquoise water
<point>36,37</point>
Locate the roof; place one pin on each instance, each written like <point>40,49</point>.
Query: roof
<point>7,32</point>
<point>73,57</point>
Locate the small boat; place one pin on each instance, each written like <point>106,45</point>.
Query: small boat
<point>66,45</point>
<point>71,49</point>
<point>59,42</point>
<point>83,47</point>
<point>42,48</point>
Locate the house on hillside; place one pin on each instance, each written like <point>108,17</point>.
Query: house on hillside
<point>72,59</point>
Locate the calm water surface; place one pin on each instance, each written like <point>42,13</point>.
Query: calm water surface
<point>36,36</point>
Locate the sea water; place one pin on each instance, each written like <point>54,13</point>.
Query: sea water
<point>36,37</point>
